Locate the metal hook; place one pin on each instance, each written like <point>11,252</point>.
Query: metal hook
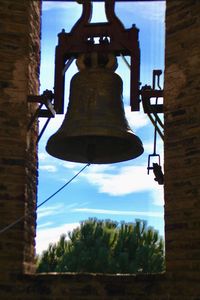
<point>110,13</point>
<point>86,15</point>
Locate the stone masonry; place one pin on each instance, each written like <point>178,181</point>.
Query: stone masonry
<point>19,77</point>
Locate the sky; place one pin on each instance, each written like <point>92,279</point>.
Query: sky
<point>120,191</point>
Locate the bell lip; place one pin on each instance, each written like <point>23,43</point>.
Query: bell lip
<point>135,144</point>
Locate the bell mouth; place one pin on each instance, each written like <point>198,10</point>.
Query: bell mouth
<point>95,149</point>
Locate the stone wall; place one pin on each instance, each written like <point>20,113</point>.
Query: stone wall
<point>182,138</point>
<point>19,73</point>
<point>19,57</point>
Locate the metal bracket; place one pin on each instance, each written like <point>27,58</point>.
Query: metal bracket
<point>112,38</point>
<point>152,110</point>
<point>149,161</point>
<point>148,92</point>
<point>45,99</point>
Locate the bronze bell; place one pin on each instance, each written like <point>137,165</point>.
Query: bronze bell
<point>95,129</point>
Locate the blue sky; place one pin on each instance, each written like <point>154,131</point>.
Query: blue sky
<point>120,191</point>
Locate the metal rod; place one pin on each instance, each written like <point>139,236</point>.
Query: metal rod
<point>155,132</point>
<point>34,117</point>
<point>126,61</point>
<point>43,129</point>
<point>67,65</point>
<point>158,120</point>
<point>158,129</point>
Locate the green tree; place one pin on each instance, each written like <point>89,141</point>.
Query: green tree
<point>105,246</point>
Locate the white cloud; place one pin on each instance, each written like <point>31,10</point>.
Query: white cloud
<point>120,212</point>
<point>148,147</point>
<point>136,119</point>
<point>157,196</point>
<point>150,11</point>
<point>49,5</point>
<point>42,156</point>
<point>45,214</point>
<point>70,165</point>
<point>49,168</point>
<point>47,224</point>
<point>51,235</point>
<point>126,180</point>
<point>49,210</point>
<point>102,168</point>
<point>52,127</point>
<point>98,8</point>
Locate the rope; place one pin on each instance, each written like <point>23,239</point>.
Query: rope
<point>60,189</point>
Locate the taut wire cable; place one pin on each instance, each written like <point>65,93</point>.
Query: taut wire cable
<point>46,200</point>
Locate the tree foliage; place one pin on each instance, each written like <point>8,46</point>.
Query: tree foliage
<point>105,246</point>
